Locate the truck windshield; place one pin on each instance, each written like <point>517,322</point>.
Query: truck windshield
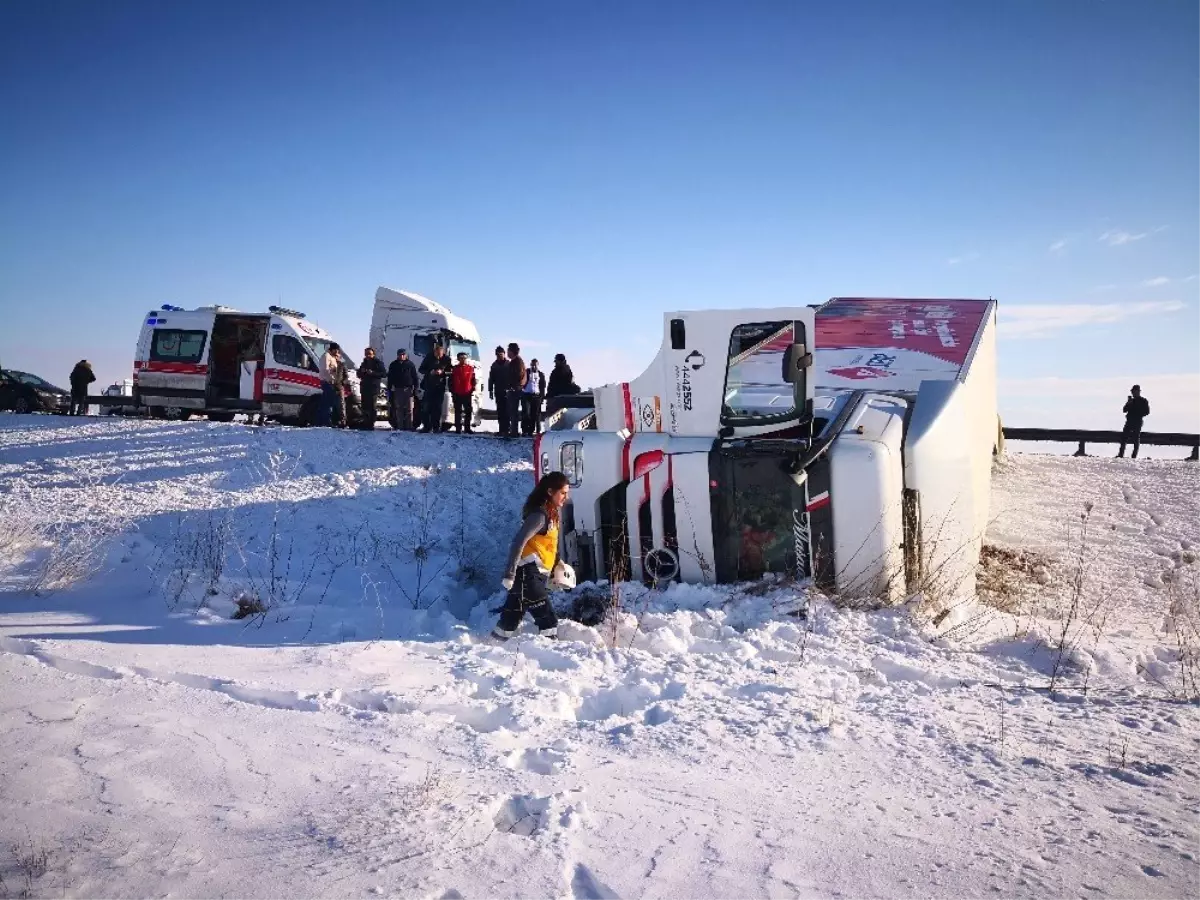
<point>423,344</point>
<point>754,383</point>
<point>468,347</point>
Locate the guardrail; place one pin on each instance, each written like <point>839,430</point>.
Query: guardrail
<point>105,400</point>
<point>1083,438</point>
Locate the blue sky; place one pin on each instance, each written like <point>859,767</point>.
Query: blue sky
<point>563,173</point>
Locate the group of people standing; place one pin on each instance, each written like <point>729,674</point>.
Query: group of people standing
<point>406,410</point>
<point>520,391</point>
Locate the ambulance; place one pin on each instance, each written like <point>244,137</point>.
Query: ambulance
<point>850,443</point>
<point>219,361</point>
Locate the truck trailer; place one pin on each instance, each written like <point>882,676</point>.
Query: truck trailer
<point>849,443</point>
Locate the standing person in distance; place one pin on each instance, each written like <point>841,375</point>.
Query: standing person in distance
<point>81,376</point>
<point>370,376</point>
<point>462,389</point>
<point>516,380</point>
<point>1136,409</point>
<point>562,379</point>
<point>436,371</point>
<point>531,560</point>
<point>402,382</point>
<point>532,396</point>
<point>331,386</point>
<point>498,388</point>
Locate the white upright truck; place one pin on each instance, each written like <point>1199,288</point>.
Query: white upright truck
<point>218,361</point>
<point>851,443</point>
<point>403,320</point>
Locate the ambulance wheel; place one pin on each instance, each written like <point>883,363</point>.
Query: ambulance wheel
<point>220,417</point>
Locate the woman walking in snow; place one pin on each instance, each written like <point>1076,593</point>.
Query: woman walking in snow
<point>531,559</point>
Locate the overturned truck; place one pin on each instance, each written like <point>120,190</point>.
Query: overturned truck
<point>850,443</point>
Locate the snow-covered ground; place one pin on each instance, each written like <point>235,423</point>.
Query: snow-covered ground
<point>363,737</point>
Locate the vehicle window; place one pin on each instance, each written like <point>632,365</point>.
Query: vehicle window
<point>754,384</point>
<point>176,345</point>
<point>290,352</point>
<point>468,347</point>
<point>319,347</point>
<point>423,344</point>
<point>32,380</point>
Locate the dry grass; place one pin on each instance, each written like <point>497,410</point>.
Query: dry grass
<point>26,865</point>
<point>1007,578</point>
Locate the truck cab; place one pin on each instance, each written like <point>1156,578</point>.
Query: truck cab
<point>404,320</point>
<point>848,443</point>
<point>649,478</point>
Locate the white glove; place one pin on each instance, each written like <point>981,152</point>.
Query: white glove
<point>506,583</point>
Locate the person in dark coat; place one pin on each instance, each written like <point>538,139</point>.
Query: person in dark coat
<point>513,387</point>
<point>81,377</point>
<point>497,388</point>
<point>370,376</point>
<point>435,370</point>
<point>462,389</point>
<point>562,379</point>
<point>402,381</point>
<point>1136,409</point>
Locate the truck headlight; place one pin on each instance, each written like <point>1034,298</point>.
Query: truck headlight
<point>570,458</point>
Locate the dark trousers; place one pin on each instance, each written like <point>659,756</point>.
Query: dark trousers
<point>370,397</point>
<point>1131,434</point>
<point>326,408</point>
<point>78,403</point>
<point>531,413</point>
<point>530,594</point>
<point>402,409</point>
<point>434,401</point>
<point>462,412</point>
<point>502,412</point>
<point>512,402</point>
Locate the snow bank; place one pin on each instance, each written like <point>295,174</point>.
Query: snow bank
<point>364,736</point>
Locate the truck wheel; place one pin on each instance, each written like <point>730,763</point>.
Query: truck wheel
<point>176,413</point>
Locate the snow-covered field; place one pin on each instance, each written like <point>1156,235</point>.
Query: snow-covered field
<point>362,737</point>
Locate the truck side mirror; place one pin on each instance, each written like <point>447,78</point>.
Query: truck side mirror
<point>796,363</point>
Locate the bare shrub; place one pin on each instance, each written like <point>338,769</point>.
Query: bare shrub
<point>28,862</point>
<point>195,557</point>
<point>1183,624</point>
<point>418,544</point>
<point>48,554</point>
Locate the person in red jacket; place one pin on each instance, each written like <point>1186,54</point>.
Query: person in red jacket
<point>462,387</point>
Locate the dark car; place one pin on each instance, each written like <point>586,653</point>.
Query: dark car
<point>22,392</point>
